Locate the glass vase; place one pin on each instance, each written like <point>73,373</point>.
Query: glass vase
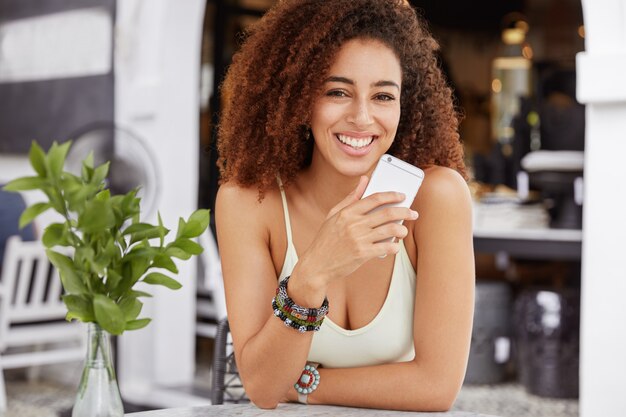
<point>98,392</point>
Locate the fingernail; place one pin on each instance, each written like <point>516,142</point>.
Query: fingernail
<point>414,214</point>
<point>401,195</point>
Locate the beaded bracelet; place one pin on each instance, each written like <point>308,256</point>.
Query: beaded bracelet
<point>290,321</point>
<point>281,294</point>
<point>300,318</point>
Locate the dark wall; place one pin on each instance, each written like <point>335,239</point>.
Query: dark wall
<point>476,15</point>
<point>49,110</point>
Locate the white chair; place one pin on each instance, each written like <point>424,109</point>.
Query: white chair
<point>33,330</point>
<point>210,303</point>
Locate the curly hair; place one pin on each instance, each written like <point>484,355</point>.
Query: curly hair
<point>274,79</point>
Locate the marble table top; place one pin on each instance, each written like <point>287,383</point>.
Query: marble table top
<point>291,410</point>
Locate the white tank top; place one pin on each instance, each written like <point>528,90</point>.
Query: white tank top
<point>387,338</point>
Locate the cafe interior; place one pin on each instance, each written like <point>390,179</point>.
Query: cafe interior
<point>136,83</point>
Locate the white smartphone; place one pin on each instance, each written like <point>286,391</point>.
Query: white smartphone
<point>393,174</point>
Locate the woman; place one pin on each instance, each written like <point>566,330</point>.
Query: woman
<point>318,92</point>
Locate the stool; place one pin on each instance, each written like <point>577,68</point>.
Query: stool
<point>547,338</point>
<point>489,350</point>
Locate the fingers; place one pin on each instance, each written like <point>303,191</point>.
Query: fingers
<point>382,249</point>
<point>353,197</point>
<point>377,200</point>
<point>390,214</point>
<point>387,231</point>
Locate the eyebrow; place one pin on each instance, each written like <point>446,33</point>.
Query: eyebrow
<point>382,83</point>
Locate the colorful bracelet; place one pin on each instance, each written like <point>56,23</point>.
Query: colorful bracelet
<point>296,310</point>
<point>300,318</point>
<point>295,322</point>
<point>308,382</point>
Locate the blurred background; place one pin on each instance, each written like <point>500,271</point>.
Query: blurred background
<point>139,89</point>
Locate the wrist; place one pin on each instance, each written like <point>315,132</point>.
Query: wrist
<point>307,290</point>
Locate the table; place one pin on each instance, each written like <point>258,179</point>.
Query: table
<point>521,231</point>
<point>291,410</point>
<point>540,244</point>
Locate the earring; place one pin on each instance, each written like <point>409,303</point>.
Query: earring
<point>307,134</point>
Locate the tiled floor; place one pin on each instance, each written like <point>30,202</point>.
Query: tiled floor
<point>51,399</point>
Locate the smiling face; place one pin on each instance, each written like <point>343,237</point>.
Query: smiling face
<point>355,119</point>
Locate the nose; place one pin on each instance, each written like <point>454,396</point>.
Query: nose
<point>360,113</point>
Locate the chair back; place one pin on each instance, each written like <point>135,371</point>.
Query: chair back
<point>227,387</point>
<point>31,288</point>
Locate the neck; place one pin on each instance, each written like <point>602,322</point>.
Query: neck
<point>325,186</point>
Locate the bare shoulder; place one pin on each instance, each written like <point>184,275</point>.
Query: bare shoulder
<point>442,189</point>
<point>232,194</point>
<point>237,206</point>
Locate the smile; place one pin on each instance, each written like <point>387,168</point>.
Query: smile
<point>356,143</point>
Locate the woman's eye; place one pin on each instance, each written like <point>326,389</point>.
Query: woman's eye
<point>384,97</point>
<point>336,93</point>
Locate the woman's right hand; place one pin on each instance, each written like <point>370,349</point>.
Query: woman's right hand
<point>351,235</point>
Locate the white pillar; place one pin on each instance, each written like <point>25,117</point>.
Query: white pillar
<point>157,63</point>
<point>601,72</point>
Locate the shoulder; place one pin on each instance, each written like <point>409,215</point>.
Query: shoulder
<point>243,205</point>
<point>233,194</point>
<point>444,205</point>
<point>442,187</point>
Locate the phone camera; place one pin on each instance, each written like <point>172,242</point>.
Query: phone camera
<point>388,159</point>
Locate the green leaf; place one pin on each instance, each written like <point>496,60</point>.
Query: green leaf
<point>96,217</point>
<point>122,242</point>
<point>165,262</point>
<point>56,158</point>
<point>25,184</point>
<point>155,278</point>
<point>87,169</point>
<point>108,314</point>
<point>136,294</point>
<point>130,204</point>
<point>138,266</point>
<point>69,277</point>
<point>113,279</point>
<point>38,159</point>
<point>131,307</point>
<point>201,217</point>
<point>55,235</point>
<point>177,253</point>
<point>31,212</point>
<point>181,228</point>
<point>137,227</point>
<point>55,197</point>
<point>163,233</point>
<point>70,183</point>
<point>188,246</point>
<point>84,255</point>
<point>88,161</point>
<point>100,173</point>
<point>79,307</point>
<point>103,195</point>
<point>192,229</point>
<point>148,234</point>
<point>137,324</point>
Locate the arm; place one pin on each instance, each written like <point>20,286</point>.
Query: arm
<point>270,356</point>
<point>443,313</point>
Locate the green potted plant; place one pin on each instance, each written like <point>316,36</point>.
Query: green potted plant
<point>107,250</point>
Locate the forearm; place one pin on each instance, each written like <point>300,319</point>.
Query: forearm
<point>397,386</point>
<point>271,362</point>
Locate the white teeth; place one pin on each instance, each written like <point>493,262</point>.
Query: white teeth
<point>354,142</point>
